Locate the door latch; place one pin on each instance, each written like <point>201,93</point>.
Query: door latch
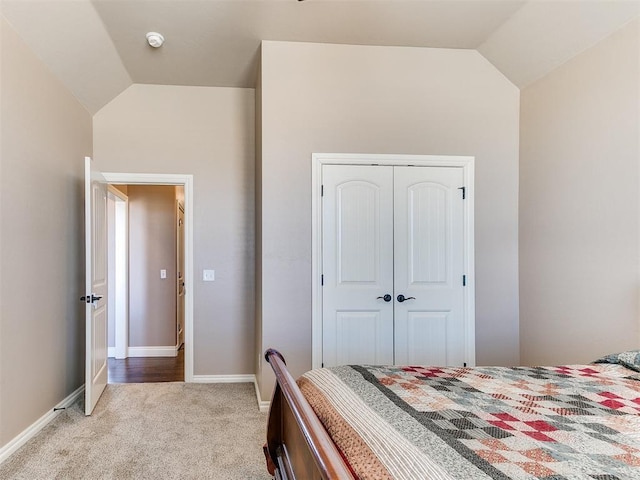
<point>91,298</point>
<point>402,298</point>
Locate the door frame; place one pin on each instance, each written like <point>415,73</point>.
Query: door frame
<point>121,292</point>
<point>187,182</point>
<point>317,161</point>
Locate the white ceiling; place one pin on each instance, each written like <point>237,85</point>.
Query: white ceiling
<point>98,47</point>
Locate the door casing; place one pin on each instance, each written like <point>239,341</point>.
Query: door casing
<point>187,182</point>
<point>320,159</point>
<point>119,296</point>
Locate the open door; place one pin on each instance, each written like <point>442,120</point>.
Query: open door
<point>95,205</point>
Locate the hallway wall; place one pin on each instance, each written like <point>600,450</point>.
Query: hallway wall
<point>152,247</point>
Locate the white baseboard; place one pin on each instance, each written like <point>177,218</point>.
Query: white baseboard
<point>38,425</point>
<point>170,351</point>
<point>224,378</point>
<point>146,352</point>
<point>263,405</point>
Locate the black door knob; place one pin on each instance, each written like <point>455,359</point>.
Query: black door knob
<point>91,299</point>
<point>386,298</point>
<point>401,298</point>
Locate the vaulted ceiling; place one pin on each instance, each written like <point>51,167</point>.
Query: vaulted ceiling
<point>98,47</point>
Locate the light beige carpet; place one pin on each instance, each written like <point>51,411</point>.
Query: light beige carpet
<point>151,431</point>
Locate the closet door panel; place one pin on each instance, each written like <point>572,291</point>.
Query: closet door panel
<point>428,265</point>
<point>357,209</point>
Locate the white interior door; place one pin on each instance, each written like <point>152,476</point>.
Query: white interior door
<point>394,231</point>
<point>358,265</point>
<point>428,262</point>
<point>95,285</point>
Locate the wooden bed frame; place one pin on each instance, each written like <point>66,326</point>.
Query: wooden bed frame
<point>297,445</point>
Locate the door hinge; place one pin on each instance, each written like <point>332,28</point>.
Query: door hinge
<point>322,190</point>
<point>464,192</point>
<point>464,280</point>
<point>321,280</point>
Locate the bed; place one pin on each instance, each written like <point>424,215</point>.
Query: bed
<point>420,422</point>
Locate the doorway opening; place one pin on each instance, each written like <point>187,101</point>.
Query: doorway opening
<point>151,261</point>
<point>146,283</point>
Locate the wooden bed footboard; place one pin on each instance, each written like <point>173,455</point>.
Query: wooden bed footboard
<point>298,446</point>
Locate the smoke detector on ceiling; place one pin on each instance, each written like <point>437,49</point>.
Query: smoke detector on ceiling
<point>155,39</point>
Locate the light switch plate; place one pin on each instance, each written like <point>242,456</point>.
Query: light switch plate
<point>163,273</point>
<point>208,275</point>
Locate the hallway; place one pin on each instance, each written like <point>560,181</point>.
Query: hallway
<point>147,369</point>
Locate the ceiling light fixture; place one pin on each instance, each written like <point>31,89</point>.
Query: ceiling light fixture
<point>155,39</point>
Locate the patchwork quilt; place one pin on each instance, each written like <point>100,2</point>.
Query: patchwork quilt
<point>576,422</point>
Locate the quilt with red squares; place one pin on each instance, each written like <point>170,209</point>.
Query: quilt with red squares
<point>576,422</point>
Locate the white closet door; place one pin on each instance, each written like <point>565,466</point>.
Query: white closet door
<point>357,265</point>
<point>428,259</point>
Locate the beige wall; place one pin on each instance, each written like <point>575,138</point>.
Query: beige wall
<point>45,135</point>
<point>579,206</point>
<point>209,133</point>
<point>152,247</point>
<point>358,99</point>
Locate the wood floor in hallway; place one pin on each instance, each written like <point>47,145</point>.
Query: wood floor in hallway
<point>147,369</point>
